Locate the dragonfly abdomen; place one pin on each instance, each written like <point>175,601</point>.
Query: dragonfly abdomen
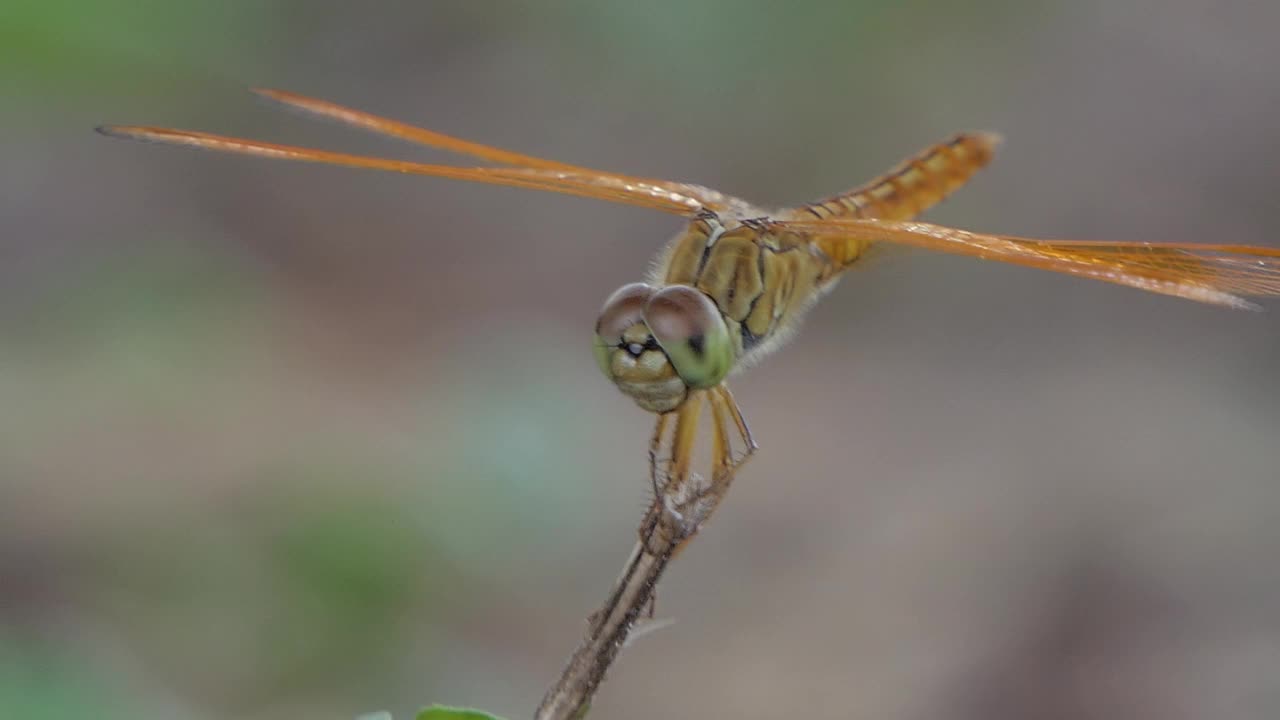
<point>914,185</point>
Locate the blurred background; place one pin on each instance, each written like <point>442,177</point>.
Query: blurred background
<point>283,441</point>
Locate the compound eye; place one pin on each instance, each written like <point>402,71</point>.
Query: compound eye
<point>624,308</point>
<point>688,326</point>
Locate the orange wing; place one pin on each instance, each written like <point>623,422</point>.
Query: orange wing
<point>525,171</point>
<point>1218,274</point>
<point>421,136</point>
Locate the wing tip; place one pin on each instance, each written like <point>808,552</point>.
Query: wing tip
<point>124,132</point>
<point>1219,297</point>
<point>267,92</point>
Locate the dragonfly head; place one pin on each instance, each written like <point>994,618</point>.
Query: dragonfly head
<point>657,344</point>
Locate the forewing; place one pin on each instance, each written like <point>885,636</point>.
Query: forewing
<point>1218,274</point>
<point>403,131</point>
<point>569,182</point>
<point>710,199</point>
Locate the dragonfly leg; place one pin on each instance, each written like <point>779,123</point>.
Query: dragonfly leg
<point>685,499</point>
<point>655,445</point>
<point>724,465</point>
<point>749,445</point>
<point>674,484</point>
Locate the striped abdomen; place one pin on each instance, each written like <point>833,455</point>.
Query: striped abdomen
<point>914,185</point>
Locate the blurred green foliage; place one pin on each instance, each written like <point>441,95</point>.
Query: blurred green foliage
<point>72,48</point>
<point>36,684</point>
<point>440,712</point>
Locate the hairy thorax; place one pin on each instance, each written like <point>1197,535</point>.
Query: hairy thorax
<point>762,281</point>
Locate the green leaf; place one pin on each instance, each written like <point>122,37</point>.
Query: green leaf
<point>441,712</point>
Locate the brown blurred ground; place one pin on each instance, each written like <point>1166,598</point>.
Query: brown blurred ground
<point>290,442</point>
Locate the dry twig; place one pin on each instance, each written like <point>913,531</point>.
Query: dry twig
<point>683,503</point>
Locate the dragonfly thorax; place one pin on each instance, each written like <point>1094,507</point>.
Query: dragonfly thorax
<point>657,344</point>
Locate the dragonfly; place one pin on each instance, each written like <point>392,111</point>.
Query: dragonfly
<point>732,285</point>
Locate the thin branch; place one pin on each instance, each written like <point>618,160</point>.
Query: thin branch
<point>608,629</point>
<point>683,504</point>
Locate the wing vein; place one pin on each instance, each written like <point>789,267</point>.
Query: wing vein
<point>1210,273</point>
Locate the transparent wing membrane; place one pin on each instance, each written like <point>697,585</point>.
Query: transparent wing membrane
<point>842,226</point>
<point>523,170</point>
<point>568,182</point>
<point>1218,274</point>
<point>420,136</point>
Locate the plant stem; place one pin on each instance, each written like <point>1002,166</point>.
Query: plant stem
<point>607,632</point>
<point>683,504</point>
